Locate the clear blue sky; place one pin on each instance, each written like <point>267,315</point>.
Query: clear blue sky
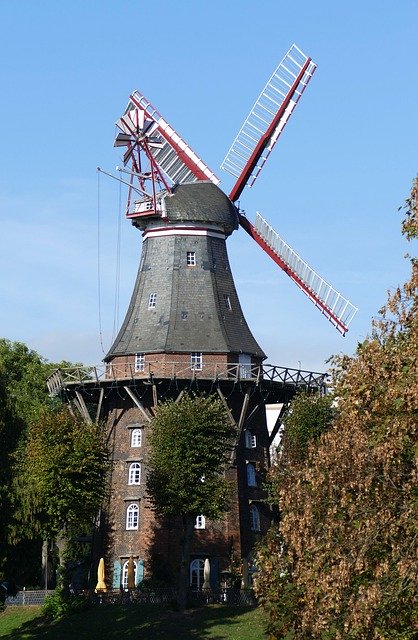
<point>332,187</point>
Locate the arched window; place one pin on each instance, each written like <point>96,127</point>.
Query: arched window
<point>132,517</point>
<point>254,518</point>
<point>250,439</point>
<point>136,437</point>
<point>196,574</point>
<point>251,480</point>
<point>125,574</point>
<point>134,476</point>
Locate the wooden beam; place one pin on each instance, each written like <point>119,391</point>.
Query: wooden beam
<point>179,397</point>
<point>224,402</point>
<point>99,404</point>
<point>138,404</point>
<point>83,408</point>
<point>154,395</point>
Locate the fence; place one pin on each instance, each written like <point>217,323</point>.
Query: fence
<point>28,597</point>
<point>168,595</point>
<point>160,596</point>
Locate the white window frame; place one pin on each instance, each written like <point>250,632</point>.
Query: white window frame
<point>200,522</point>
<point>132,517</point>
<point>152,301</point>
<point>191,258</point>
<point>125,574</point>
<point>251,478</point>
<point>136,437</point>
<point>134,473</point>
<point>139,362</point>
<point>250,439</point>
<point>197,577</point>
<point>254,518</point>
<point>196,361</point>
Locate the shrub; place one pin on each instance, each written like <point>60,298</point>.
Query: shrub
<point>58,605</point>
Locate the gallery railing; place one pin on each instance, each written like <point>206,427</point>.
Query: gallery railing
<point>70,376</point>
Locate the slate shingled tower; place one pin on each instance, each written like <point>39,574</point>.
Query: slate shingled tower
<point>184,300</point>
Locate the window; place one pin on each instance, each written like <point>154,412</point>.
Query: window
<point>244,360</point>
<point>196,361</point>
<point>227,301</point>
<point>152,301</point>
<point>251,475</point>
<point>134,475</point>
<point>250,439</point>
<point>132,517</point>
<point>125,574</point>
<point>191,258</point>
<point>254,518</point>
<point>200,522</point>
<point>139,362</point>
<point>197,574</point>
<point>136,437</point>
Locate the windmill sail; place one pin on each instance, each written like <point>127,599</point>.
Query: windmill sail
<point>267,119</point>
<point>332,304</point>
<point>142,124</point>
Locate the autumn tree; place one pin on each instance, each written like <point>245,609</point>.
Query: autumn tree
<point>190,442</point>
<point>342,563</point>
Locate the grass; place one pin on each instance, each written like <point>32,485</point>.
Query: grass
<point>14,617</point>
<point>135,622</point>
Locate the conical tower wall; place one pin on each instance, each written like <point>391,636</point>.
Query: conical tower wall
<point>184,299</point>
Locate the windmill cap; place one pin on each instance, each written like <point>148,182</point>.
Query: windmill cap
<point>201,202</point>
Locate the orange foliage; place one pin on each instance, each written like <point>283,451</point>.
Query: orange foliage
<point>343,562</point>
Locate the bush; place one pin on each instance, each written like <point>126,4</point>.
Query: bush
<point>58,605</point>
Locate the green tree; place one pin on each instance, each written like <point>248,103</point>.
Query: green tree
<point>33,436</point>
<point>63,473</point>
<point>189,445</point>
<point>22,395</point>
<point>342,563</point>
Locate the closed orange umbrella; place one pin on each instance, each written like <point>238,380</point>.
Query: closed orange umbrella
<point>101,586</point>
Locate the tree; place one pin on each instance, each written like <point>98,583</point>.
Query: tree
<point>49,463</point>
<point>189,445</point>
<point>64,473</point>
<point>342,563</point>
<point>310,416</point>
<point>22,395</point>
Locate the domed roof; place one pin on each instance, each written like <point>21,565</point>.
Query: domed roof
<point>201,202</point>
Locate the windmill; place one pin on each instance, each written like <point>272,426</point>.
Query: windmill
<point>184,330</point>
<point>152,143</point>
